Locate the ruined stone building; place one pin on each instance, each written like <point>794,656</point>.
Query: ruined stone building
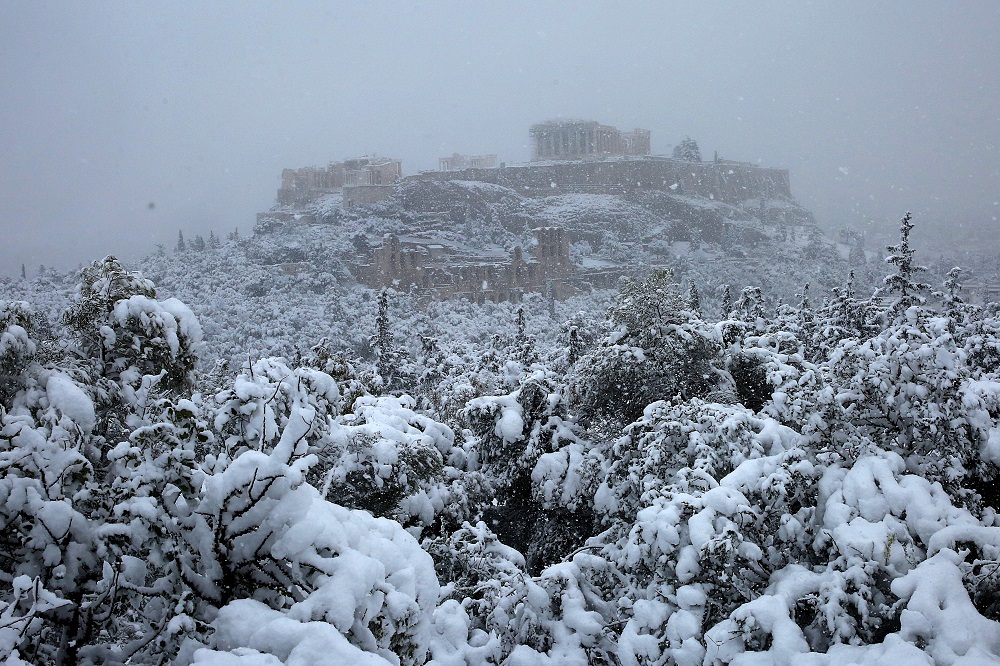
<point>369,180</point>
<point>585,139</point>
<point>300,186</point>
<point>441,268</point>
<point>372,171</point>
<point>457,162</point>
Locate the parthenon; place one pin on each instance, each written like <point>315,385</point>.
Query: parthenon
<point>583,139</point>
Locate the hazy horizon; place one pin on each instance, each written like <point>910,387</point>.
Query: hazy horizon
<point>108,108</point>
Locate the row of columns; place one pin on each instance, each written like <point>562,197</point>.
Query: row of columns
<point>571,141</point>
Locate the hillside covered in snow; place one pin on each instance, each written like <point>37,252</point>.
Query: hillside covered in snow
<point>251,458</point>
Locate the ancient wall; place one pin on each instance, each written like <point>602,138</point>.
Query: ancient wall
<point>730,182</point>
<point>552,250</point>
<point>372,171</point>
<point>300,186</point>
<point>365,195</point>
<point>410,264</point>
<point>636,142</point>
<point>457,162</point>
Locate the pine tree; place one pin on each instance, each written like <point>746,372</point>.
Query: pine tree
<point>24,273</point>
<point>524,345</point>
<point>127,333</point>
<point>181,246</point>
<point>750,304</point>
<point>857,254</point>
<point>382,342</point>
<point>951,297</point>
<point>694,299</point>
<point>654,351</point>
<point>198,244</point>
<point>953,288</point>
<point>213,240</point>
<point>804,297</point>
<point>573,344</point>
<point>908,292</point>
<point>727,302</point>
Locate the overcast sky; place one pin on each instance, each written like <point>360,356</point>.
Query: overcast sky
<point>108,107</point>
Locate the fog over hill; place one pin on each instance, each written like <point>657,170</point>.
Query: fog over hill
<point>107,109</point>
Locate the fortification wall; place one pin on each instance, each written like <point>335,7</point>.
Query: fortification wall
<point>730,182</point>
<point>364,195</point>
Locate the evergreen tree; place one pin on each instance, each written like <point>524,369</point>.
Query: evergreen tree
<point>573,345</point>
<point>952,295</point>
<point>903,284</point>
<point>181,246</point>
<point>695,235</point>
<point>694,299</point>
<point>687,150</point>
<point>727,302</point>
<point>750,304</point>
<point>524,345</point>
<point>127,334</point>
<point>804,297</point>
<point>579,337</point>
<point>387,357</point>
<point>24,273</point>
<point>655,351</point>
<point>198,244</point>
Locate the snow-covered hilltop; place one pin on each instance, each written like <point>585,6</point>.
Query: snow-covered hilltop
<point>573,220</point>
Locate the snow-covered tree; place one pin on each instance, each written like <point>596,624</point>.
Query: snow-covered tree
<point>687,150</point>
<point>128,335</point>
<point>902,286</point>
<point>693,299</point>
<point>387,356</point>
<point>726,303</point>
<point>653,352</point>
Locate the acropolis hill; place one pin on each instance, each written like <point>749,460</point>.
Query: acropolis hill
<point>483,229</point>
<point>578,156</point>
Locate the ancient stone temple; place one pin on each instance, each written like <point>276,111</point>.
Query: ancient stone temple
<point>585,139</point>
<point>457,162</point>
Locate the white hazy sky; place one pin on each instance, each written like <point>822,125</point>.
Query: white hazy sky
<point>106,107</point>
